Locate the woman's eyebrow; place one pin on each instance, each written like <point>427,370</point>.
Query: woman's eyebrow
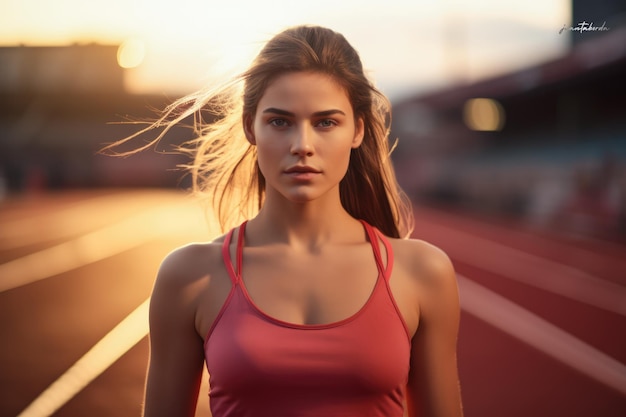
<point>316,114</point>
<point>328,113</point>
<point>278,111</point>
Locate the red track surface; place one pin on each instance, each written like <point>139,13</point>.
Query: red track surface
<point>542,330</point>
<point>501,375</point>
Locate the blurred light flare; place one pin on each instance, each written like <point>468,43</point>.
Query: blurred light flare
<point>131,53</point>
<point>483,114</point>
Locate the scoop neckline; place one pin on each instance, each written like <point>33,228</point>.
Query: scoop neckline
<point>237,277</point>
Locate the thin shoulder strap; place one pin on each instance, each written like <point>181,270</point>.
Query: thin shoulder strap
<point>239,253</point>
<point>374,236</point>
<point>234,275</point>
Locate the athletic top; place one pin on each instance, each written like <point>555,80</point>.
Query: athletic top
<point>262,366</point>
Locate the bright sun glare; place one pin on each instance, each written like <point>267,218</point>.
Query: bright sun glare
<point>189,43</point>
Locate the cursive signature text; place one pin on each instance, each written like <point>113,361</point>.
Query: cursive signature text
<point>585,27</point>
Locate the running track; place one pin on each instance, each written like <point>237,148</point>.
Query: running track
<point>542,328</point>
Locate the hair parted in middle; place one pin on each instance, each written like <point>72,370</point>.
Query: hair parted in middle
<point>224,166</point>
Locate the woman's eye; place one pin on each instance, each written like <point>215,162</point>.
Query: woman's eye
<point>278,122</point>
<point>327,123</point>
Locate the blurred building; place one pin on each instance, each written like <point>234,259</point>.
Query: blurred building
<point>547,143</point>
<point>87,68</point>
<point>59,106</point>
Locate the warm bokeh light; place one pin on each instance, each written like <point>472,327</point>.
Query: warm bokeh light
<point>131,53</point>
<point>483,114</point>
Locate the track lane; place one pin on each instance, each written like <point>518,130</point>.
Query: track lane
<point>55,321</point>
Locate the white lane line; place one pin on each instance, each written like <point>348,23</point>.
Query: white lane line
<point>73,219</point>
<point>98,359</point>
<point>533,270</point>
<point>101,244</point>
<point>549,239</point>
<point>541,334</point>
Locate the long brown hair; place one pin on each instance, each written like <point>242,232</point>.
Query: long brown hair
<point>224,166</point>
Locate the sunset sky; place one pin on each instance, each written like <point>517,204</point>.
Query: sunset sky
<point>406,45</point>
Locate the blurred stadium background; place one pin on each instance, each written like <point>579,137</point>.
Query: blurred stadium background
<point>540,143</point>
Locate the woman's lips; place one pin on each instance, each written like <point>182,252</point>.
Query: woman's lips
<point>302,172</point>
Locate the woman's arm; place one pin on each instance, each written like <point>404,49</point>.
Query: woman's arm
<point>176,350</point>
<point>433,389</point>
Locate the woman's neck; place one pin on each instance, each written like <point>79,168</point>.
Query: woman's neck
<point>306,225</point>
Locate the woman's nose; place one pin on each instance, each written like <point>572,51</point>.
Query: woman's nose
<point>302,142</point>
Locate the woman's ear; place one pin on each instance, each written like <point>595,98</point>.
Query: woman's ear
<point>248,128</point>
<point>359,132</point>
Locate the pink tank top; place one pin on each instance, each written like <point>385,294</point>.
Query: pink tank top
<point>261,366</point>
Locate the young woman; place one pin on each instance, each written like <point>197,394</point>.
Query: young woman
<point>318,305</point>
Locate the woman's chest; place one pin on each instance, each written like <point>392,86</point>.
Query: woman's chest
<point>368,351</point>
<point>309,289</point>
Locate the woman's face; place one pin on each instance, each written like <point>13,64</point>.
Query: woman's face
<point>304,129</point>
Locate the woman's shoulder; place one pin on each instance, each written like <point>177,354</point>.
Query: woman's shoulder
<point>190,263</point>
<point>190,287</point>
<point>429,277</point>
<point>427,263</point>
